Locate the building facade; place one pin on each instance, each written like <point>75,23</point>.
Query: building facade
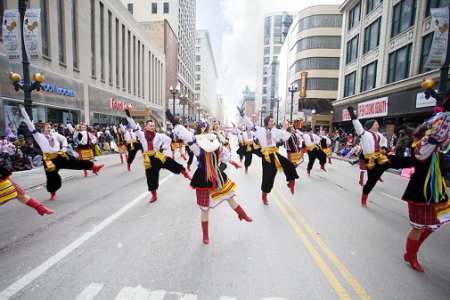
<point>180,14</point>
<point>276,27</point>
<point>310,59</point>
<point>205,77</point>
<point>248,103</point>
<point>95,60</point>
<point>384,48</point>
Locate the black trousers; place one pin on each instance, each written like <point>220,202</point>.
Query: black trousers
<point>152,173</point>
<point>190,154</point>
<point>248,158</point>
<point>269,171</point>
<point>54,182</point>
<point>241,151</point>
<point>316,154</point>
<point>132,152</point>
<point>373,175</point>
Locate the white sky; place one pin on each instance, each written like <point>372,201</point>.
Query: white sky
<point>235,28</point>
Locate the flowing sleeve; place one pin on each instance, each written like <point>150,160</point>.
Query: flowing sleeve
<point>280,134</point>
<point>358,127</point>
<point>225,155</point>
<point>248,122</point>
<point>184,134</point>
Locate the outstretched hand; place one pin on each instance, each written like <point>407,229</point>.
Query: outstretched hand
<point>127,112</point>
<point>171,118</point>
<point>240,110</point>
<point>351,112</point>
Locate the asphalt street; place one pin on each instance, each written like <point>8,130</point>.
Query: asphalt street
<point>105,241</point>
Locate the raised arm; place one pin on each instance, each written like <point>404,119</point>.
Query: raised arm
<point>358,127</point>
<point>63,141</point>
<point>26,118</point>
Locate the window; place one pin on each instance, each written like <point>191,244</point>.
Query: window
<point>435,4</point>
<point>354,16</point>
<point>102,42</point>
<point>154,8</point>
<point>166,7</point>
<point>134,65</point>
<point>129,61</point>
<point>197,87</point>
<point>2,10</point>
<point>44,27</point>
<point>352,49</point>
<point>372,36</point>
<point>266,60</point>
<point>61,35</point>
<point>130,8</point>
<point>325,84</point>
<point>117,52</point>
<point>74,35</point>
<point>93,61</point>
<point>349,84</point>
<point>197,68</point>
<point>399,62</point>
<point>123,57</point>
<point>368,76</point>
<point>110,48</point>
<point>315,63</point>
<point>404,13</point>
<point>372,4</point>
<point>197,77</point>
<point>266,50</point>
<point>319,42</point>
<point>320,21</point>
<point>197,58</point>
<point>426,46</point>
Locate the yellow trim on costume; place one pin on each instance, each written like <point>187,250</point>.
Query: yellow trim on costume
<point>256,146</point>
<point>249,145</point>
<point>312,147</point>
<point>272,150</point>
<point>327,151</point>
<point>7,191</point>
<point>228,188</point>
<point>47,157</point>
<point>86,154</point>
<point>156,154</point>
<point>295,157</point>
<point>132,142</point>
<point>376,156</point>
<point>241,143</point>
<point>175,145</point>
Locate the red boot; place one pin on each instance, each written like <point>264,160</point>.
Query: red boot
<point>129,167</point>
<point>96,168</point>
<point>361,179</point>
<point>242,215</point>
<point>186,174</point>
<point>412,247</point>
<point>329,160</point>
<point>364,200</point>
<point>205,232</point>
<point>52,196</point>
<point>85,173</point>
<point>264,198</point>
<point>425,234</point>
<point>41,209</point>
<point>154,197</point>
<point>188,167</point>
<point>291,186</point>
<point>121,158</point>
<point>323,168</point>
<point>308,172</point>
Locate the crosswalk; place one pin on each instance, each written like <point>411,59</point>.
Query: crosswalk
<point>140,293</point>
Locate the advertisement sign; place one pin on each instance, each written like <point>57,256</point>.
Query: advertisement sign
<point>303,86</point>
<point>32,33</point>
<point>373,108</point>
<point>345,115</point>
<point>11,35</point>
<point>117,105</point>
<point>422,102</point>
<point>438,51</point>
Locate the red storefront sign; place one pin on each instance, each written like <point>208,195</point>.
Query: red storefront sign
<point>117,105</point>
<point>373,108</point>
<point>345,115</point>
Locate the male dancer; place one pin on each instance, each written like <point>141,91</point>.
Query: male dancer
<point>154,160</point>
<point>54,146</point>
<point>133,146</point>
<point>312,142</point>
<point>293,147</point>
<point>272,161</point>
<point>374,146</point>
<point>248,147</point>
<point>85,147</point>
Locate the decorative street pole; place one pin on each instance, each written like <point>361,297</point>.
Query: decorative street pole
<point>174,92</point>
<point>183,101</point>
<point>292,90</point>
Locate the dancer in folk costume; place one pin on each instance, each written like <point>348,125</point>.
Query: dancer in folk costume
<point>272,161</point>
<point>85,146</point>
<point>247,148</point>
<point>211,184</point>
<point>312,143</point>
<point>325,145</point>
<point>189,152</point>
<point>121,144</point>
<point>426,193</point>
<point>241,143</point>
<point>293,147</point>
<point>375,153</point>
<point>133,146</point>
<point>154,160</point>
<point>54,147</point>
<point>176,144</point>
<point>10,190</point>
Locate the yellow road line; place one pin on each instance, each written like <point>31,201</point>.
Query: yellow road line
<point>362,293</point>
<point>340,290</point>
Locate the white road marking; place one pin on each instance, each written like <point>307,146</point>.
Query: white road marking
<point>157,295</point>
<point>126,293</point>
<point>90,292</point>
<point>392,197</point>
<point>39,270</point>
<point>141,294</point>
<point>227,298</point>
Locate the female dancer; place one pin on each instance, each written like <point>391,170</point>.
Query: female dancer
<point>211,184</point>
<point>293,147</point>
<point>85,147</point>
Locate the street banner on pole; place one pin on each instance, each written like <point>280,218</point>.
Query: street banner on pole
<point>11,36</point>
<point>32,33</point>
<point>438,51</point>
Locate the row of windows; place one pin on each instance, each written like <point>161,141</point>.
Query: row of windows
<point>130,7</point>
<point>315,63</point>
<point>322,84</point>
<point>127,46</point>
<point>319,42</point>
<point>368,79</point>
<point>319,21</point>
<point>354,15</point>
<point>371,41</point>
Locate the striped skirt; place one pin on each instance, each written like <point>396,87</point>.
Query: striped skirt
<point>207,199</point>
<point>9,190</point>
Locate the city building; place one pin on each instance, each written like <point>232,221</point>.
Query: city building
<point>96,59</point>
<point>206,100</point>
<point>248,103</point>
<point>276,26</point>
<point>160,17</point>
<point>384,48</point>
<point>308,65</point>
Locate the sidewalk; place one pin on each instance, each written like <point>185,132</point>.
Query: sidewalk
<point>36,177</point>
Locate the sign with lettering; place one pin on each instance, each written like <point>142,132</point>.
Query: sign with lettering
<point>11,35</point>
<point>421,101</point>
<point>52,88</point>
<point>303,76</point>
<point>117,105</point>
<point>345,115</point>
<point>438,51</point>
<point>373,108</point>
<point>32,33</point>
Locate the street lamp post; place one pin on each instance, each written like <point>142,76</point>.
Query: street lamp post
<point>183,101</point>
<point>292,90</point>
<point>174,92</point>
